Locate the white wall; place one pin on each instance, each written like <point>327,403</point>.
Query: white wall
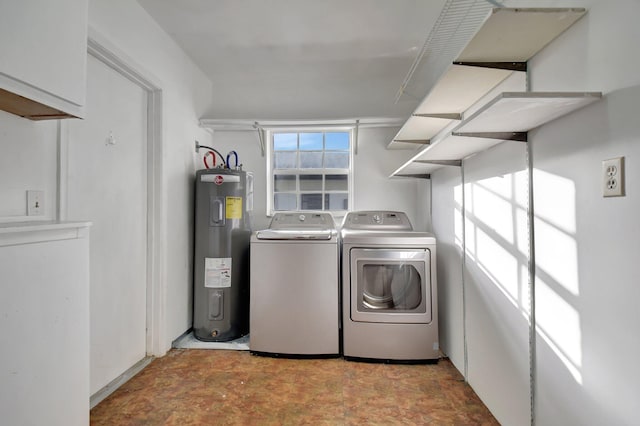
<point>586,289</point>
<point>375,191</point>
<point>496,280</point>
<point>372,166</point>
<point>186,94</point>
<point>27,161</point>
<point>447,225</point>
<point>486,263</point>
<point>586,245</point>
<point>483,271</point>
<point>246,144</point>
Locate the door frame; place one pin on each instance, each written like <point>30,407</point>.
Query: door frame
<point>100,48</point>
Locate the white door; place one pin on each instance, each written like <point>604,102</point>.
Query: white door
<point>107,185</point>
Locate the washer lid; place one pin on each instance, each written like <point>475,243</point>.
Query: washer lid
<point>299,226</point>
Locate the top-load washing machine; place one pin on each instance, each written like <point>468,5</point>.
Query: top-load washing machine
<point>294,296</point>
<point>389,290</point>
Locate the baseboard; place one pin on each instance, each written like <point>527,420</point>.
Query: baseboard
<point>112,386</point>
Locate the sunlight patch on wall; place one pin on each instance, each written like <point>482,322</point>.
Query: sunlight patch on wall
<point>521,196</point>
<point>457,216</point>
<point>497,234</point>
<point>558,204</point>
<point>498,264</point>
<point>557,255</point>
<point>493,208</point>
<point>557,278</point>
<point>558,323</point>
<point>457,212</point>
<point>501,186</point>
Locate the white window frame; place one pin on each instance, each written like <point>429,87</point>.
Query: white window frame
<point>269,154</point>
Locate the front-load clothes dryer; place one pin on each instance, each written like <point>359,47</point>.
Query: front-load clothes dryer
<point>294,281</point>
<point>389,289</point>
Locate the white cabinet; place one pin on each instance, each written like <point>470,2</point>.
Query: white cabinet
<point>450,124</point>
<point>44,324</point>
<point>43,51</point>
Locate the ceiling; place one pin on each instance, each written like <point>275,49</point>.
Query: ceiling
<point>302,59</point>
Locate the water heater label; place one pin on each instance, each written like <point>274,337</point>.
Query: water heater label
<point>217,272</point>
<point>233,207</point>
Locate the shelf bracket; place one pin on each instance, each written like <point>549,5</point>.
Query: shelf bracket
<point>511,66</point>
<point>446,116</point>
<point>505,136</point>
<point>418,141</point>
<point>415,175</point>
<point>455,163</point>
<point>256,126</point>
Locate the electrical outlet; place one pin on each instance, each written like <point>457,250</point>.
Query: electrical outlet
<point>35,203</point>
<point>613,177</point>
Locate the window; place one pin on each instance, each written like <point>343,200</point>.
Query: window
<point>309,170</point>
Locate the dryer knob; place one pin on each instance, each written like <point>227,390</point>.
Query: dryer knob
<point>302,218</point>
<point>377,218</point>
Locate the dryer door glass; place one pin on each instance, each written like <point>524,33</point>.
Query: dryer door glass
<point>390,285</point>
<point>395,286</point>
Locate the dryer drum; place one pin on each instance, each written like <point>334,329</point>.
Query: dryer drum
<point>391,287</point>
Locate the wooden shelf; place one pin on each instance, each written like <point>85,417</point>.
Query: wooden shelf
<point>523,111</point>
<point>517,34</point>
<point>28,108</point>
<point>459,88</point>
<point>507,39</point>
<point>509,116</point>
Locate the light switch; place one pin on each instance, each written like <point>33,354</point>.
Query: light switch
<point>35,203</point>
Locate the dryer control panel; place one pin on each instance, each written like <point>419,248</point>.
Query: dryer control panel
<point>377,221</point>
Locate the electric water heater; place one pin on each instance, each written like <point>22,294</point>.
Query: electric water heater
<point>221,255</point>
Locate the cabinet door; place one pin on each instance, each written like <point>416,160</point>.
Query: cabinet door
<point>44,306</point>
<point>43,49</point>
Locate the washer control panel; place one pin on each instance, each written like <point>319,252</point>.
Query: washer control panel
<point>377,220</point>
<point>296,220</point>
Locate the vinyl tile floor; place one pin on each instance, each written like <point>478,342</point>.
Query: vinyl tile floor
<point>222,387</point>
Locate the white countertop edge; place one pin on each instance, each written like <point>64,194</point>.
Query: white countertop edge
<point>16,233</point>
<point>45,225</point>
